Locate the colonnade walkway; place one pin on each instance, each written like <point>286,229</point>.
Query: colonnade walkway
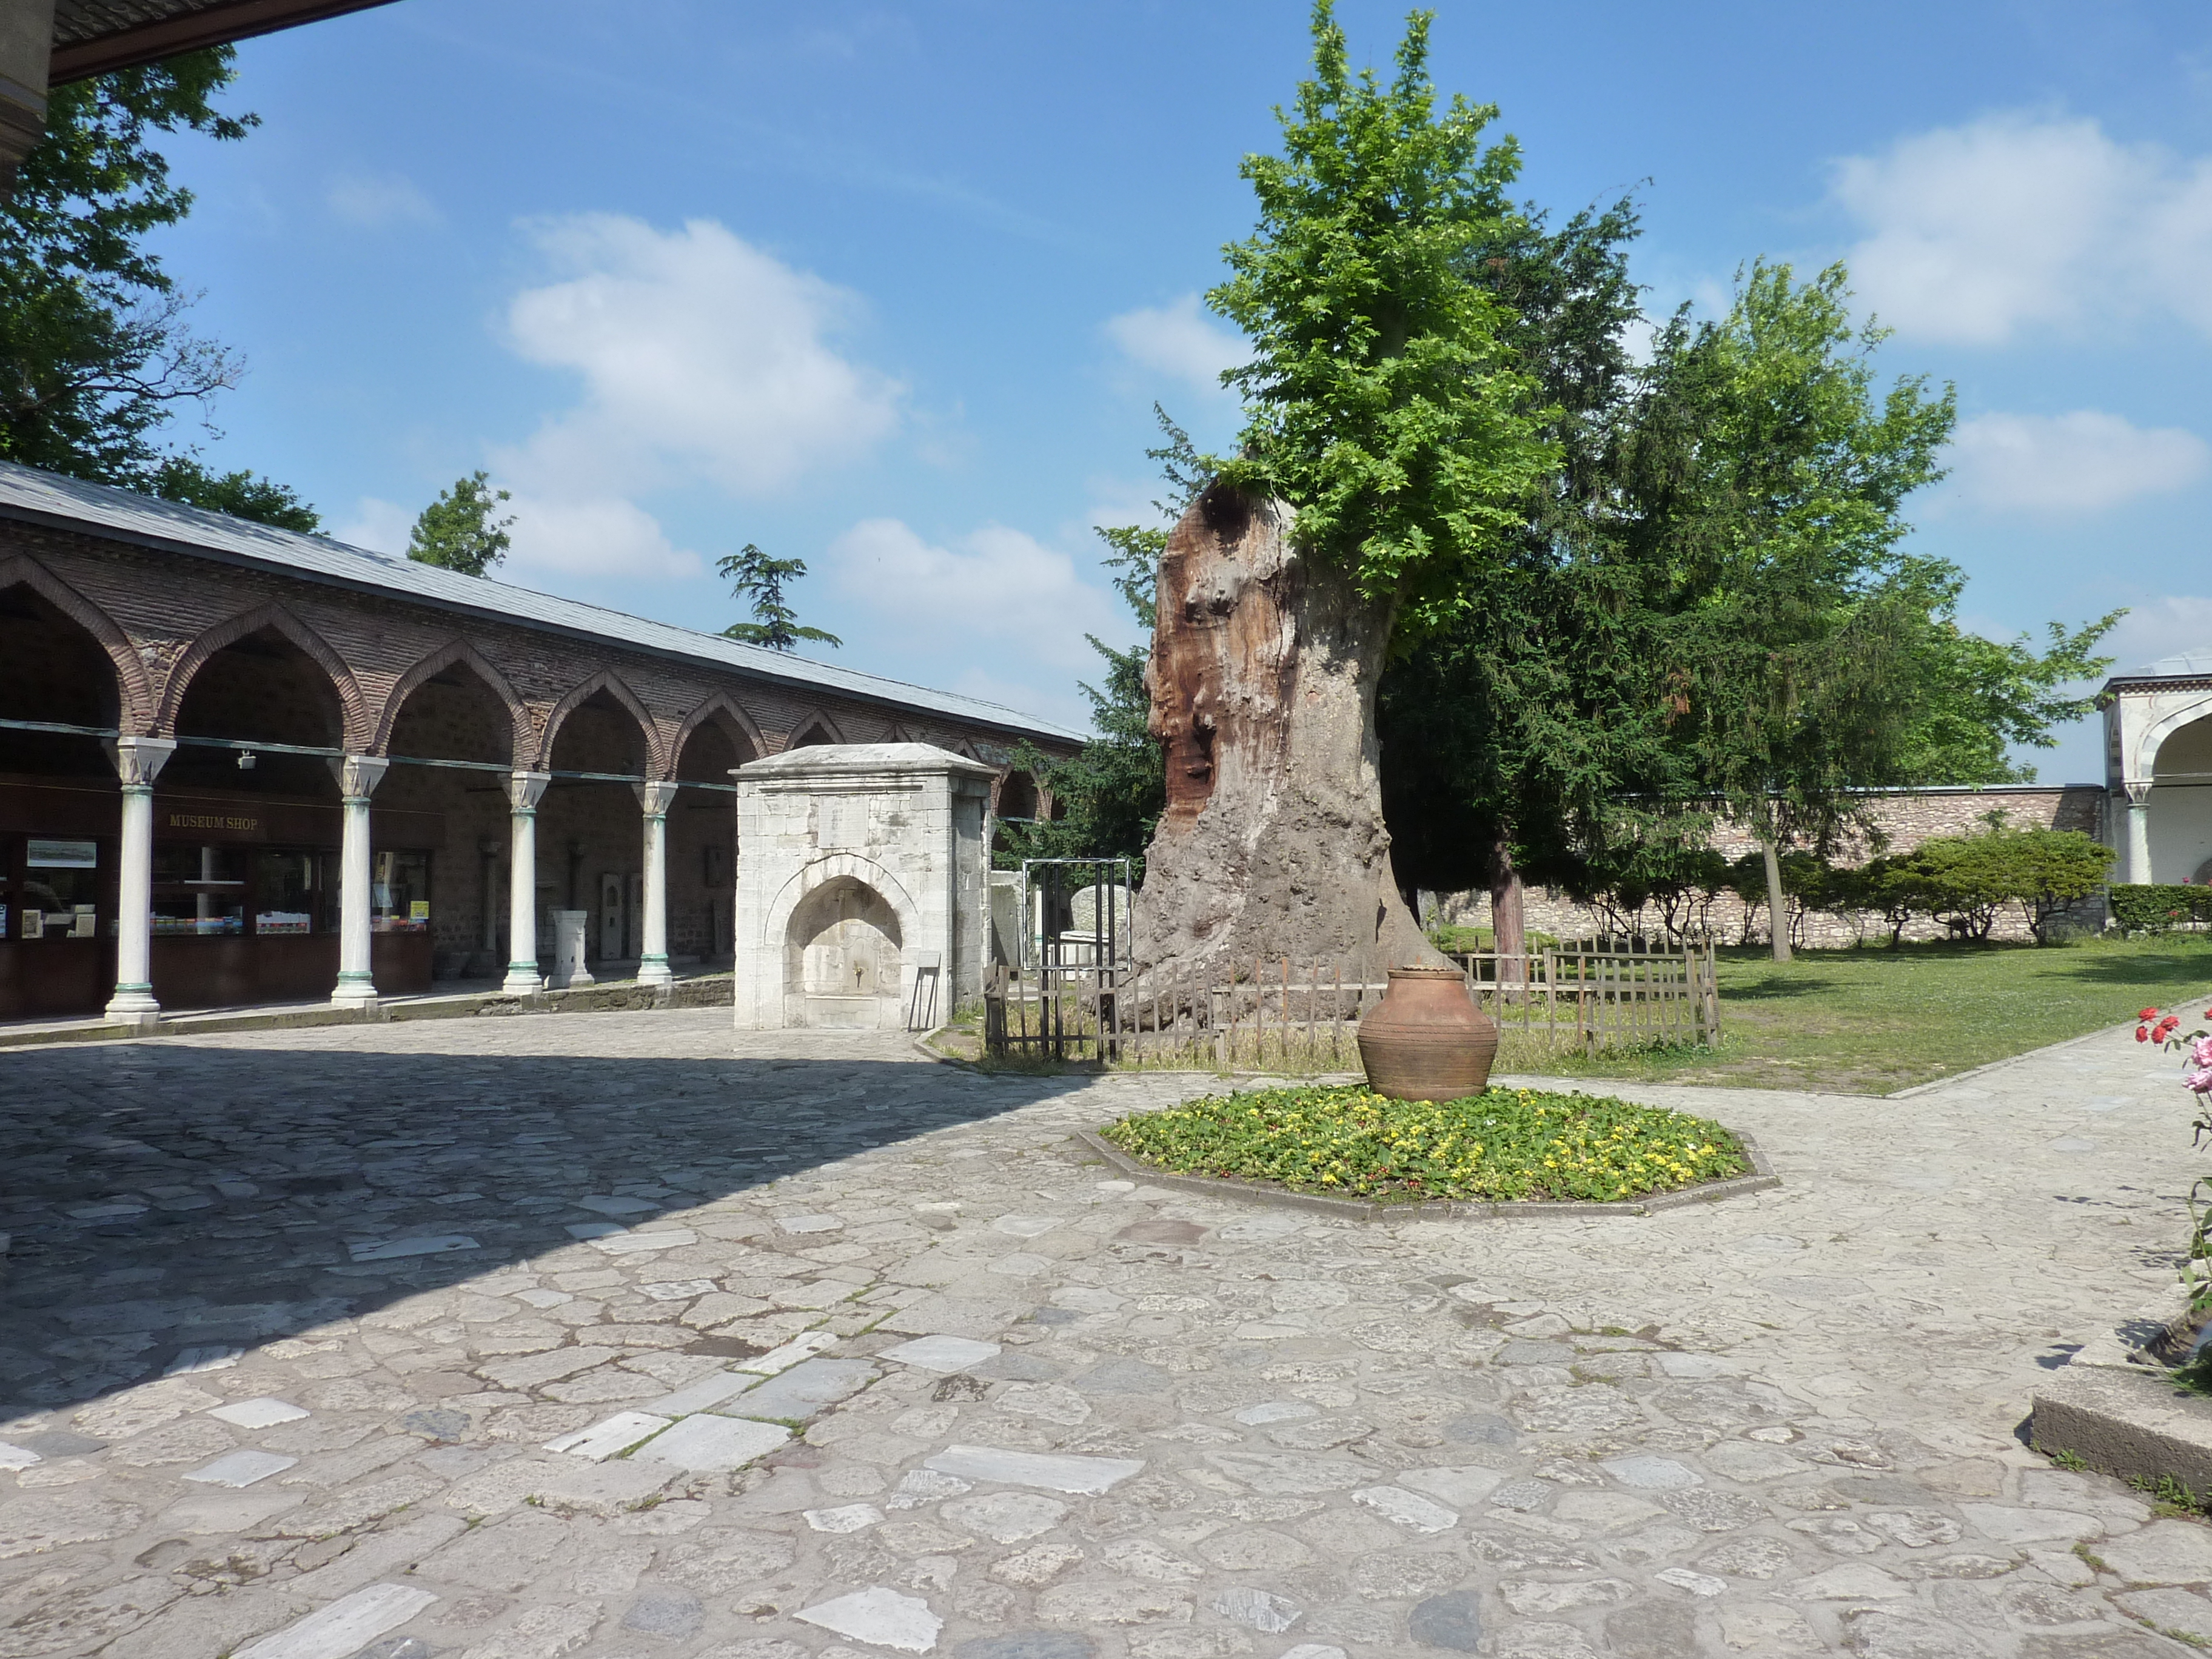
<point>331,1341</point>
<point>138,762</point>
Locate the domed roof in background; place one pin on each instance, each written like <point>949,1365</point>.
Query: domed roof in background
<point>2186,664</point>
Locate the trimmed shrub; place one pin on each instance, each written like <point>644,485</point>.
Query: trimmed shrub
<point>2153,907</point>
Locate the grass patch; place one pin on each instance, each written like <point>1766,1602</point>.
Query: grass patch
<point>1876,1020</point>
<point>1501,1144</point>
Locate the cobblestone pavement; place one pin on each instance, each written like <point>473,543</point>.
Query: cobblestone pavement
<point>294,1320</point>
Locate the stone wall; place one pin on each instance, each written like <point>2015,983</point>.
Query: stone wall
<point>1904,820</point>
<point>862,878</point>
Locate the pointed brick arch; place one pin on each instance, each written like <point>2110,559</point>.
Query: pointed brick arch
<point>354,713</point>
<point>807,723</point>
<point>446,656</point>
<point>722,703</point>
<point>134,699</point>
<point>608,681</point>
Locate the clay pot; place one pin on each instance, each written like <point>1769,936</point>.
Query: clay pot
<point>1426,1039</point>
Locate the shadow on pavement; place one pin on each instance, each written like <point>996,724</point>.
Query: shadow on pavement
<point>164,1197</point>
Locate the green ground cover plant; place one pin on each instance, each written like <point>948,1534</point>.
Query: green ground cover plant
<point>1501,1144</point>
<point>1875,1020</point>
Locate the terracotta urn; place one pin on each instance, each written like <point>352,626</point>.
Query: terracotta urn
<point>1426,1039</point>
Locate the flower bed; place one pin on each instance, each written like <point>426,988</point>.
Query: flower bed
<point>1505,1145</point>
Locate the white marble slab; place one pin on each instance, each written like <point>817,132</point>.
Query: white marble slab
<point>610,1435</point>
<point>263,1413</point>
<point>391,1250</point>
<point>241,1469</point>
<point>1057,1472</point>
<point>344,1628</point>
<point>881,1617</point>
<point>942,1353</point>
<point>713,1445</point>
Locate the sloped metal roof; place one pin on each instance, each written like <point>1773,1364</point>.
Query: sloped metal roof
<point>2184,665</point>
<point>92,37</point>
<point>47,498</point>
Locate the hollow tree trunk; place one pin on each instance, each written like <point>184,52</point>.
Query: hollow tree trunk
<point>1263,673</point>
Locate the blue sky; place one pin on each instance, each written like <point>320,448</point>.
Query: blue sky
<point>892,288</point>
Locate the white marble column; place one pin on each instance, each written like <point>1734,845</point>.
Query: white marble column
<point>523,791</point>
<point>653,948</point>
<point>137,761</point>
<point>2139,832</point>
<point>358,776</point>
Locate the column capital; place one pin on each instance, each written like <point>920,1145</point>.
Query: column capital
<point>2138,792</point>
<point>138,761</point>
<point>358,774</point>
<point>523,789</point>
<point>655,798</point>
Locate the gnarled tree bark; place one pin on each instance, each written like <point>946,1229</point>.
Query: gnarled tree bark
<point>1263,673</point>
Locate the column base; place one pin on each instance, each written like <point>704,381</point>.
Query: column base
<point>355,992</point>
<point>133,1006</point>
<point>654,970</point>
<point>523,980</point>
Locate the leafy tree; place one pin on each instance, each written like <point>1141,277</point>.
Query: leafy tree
<point>752,573</point>
<point>1512,735</point>
<point>1965,880</point>
<point>1383,401</point>
<point>242,495</point>
<point>1973,696</point>
<point>1386,449</point>
<point>461,531</point>
<point>1793,616</point>
<point>94,352</point>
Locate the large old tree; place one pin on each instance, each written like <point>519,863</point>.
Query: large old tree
<point>1388,446</point>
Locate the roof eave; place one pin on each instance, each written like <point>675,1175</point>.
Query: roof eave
<point>811,689</point>
<point>213,26</point>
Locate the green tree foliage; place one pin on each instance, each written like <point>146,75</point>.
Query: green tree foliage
<point>240,495</point>
<point>755,576</point>
<point>1963,881</point>
<point>1787,613</point>
<point>1512,735</point>
<point>461,530</point>
<point>93,352</point>
<point>1974,696</point>
<point>1383,401</point>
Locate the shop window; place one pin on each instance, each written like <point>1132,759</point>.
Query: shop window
<point>399,901</point>
<point>286,893</point>
<point>60,894</point>
<point>199,890</point>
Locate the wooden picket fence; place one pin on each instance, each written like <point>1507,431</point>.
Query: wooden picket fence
<point>1291,1014</point>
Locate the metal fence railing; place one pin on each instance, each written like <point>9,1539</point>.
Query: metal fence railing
<point>1288,1012</point>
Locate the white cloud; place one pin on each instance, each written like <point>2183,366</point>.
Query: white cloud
<point>2076,463</point>
<point>1178,339</point>
<point>593,536</point>
<point>1978,232</point>
<point>701,357</point>
<point>377,200</point>
<point>2165,626</point>
<point>381,526</point>
<point>997,583</point>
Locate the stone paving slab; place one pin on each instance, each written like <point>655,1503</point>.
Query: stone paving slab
<point>1170,1426</point>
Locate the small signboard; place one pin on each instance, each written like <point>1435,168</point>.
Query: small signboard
<point>64,855</point>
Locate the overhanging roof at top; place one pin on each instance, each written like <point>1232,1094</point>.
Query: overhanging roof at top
<point>2186,665</point>
<point>92,37</point>
<point>46,498</point>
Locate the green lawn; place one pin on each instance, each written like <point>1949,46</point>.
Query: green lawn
<point>1874,1021</point>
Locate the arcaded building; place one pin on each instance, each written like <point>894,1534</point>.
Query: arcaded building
<point>239,765</point>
